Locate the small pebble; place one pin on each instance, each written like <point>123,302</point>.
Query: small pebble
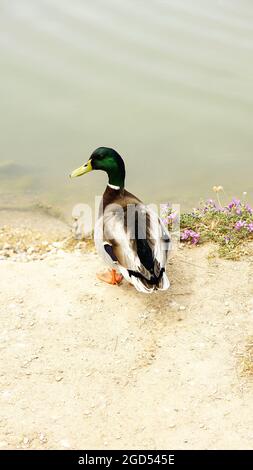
<point>58,378</point>
<point>42,438</point>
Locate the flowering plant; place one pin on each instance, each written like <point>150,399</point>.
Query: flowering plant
<point>227,225</point>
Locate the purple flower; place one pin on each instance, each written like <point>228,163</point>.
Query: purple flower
<point>173,216</point>
<point>235,203</point>
<point>249,209</point>
<point>165,210</point>
<point>240,224</point>
<point>250,227</point>
<point>190,235</point>
<point>185,235</point>
<point>210,204</point>
<point>168,214</point>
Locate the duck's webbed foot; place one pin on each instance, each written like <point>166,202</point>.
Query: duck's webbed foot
<point>110,277</point>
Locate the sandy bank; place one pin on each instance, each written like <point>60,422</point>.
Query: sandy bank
<point>86,365</point>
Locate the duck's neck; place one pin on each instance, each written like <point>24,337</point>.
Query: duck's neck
<point>113,186</point>
<point>116,177</point>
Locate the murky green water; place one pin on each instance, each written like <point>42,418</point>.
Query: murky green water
<point>168,83</point>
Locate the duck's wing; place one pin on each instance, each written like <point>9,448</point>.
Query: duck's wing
<point>135,239</point>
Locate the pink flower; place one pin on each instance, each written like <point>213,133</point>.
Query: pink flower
<point>234,203</point>
<point>173,216</point>
<point>190,235</point>
<point>240,224</point>
<point>249,209</point>
<point>250,227</point>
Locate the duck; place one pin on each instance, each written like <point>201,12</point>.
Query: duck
<point>129,235</point>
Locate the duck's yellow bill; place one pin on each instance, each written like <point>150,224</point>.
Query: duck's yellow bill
<point>82,170</point>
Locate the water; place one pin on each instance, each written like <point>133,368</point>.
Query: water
<point>168,83</point>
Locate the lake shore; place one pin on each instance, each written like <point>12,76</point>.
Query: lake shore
<point>87,365</point>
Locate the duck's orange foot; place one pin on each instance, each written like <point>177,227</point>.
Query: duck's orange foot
<point>110,277</point>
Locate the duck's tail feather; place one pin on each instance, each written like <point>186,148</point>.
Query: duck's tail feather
<point>142,285</point>
<point>164,282</point>
<point>146,285</point>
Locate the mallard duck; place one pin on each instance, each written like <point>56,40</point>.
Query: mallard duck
<point>129,236</point>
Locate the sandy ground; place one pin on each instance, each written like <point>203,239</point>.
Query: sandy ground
<point>85,365</point>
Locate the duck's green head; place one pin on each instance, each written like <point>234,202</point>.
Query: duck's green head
<point>105,159</point>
